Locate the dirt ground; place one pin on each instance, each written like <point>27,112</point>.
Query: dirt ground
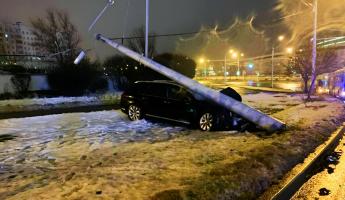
<point>104,156</point>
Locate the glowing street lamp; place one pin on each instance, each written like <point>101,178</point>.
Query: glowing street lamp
<point>289,50</point>
<point>281,38</point>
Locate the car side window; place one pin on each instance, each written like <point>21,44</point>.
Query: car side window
<point>141,89</point>
<point>156,90</point>
<point>177,93</point>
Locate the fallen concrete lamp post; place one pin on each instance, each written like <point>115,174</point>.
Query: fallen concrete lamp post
<point>261,120</point>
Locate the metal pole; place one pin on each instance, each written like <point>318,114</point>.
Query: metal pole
<point>225,70</point>
<point>314,53</point>
<point>272,67</point>
<point>263,121</point>
<point>147,28</point>
<point>238,64</point>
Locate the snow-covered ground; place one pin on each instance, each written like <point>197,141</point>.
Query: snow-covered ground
<point>57,102</point>
<point>104,155</point>
<point>40,138</point>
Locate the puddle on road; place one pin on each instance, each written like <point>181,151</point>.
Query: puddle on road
<point>324,192</point>
<point>6,137</point>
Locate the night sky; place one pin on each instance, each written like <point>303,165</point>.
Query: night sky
<point>167,16</point>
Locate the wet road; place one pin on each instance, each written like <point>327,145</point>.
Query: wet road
<point>328,184</point>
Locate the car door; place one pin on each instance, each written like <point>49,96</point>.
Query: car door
<point>155,96</point>
<point>179,103</point>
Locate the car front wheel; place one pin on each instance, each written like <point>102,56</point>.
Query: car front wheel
<point>134,112</point>
<point>206,122</point>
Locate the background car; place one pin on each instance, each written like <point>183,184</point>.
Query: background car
<point>168,100</point>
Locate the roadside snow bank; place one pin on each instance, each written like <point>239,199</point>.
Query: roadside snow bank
<point>57,102</point>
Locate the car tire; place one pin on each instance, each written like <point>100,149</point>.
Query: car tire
<point>206,121</point>
<point>134,112</point>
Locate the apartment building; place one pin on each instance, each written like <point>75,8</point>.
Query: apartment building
<point>18,39</point>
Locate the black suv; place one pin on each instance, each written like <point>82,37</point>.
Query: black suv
<point>170,101</point>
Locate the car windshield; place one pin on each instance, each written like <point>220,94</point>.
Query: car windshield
<point>196,95</point>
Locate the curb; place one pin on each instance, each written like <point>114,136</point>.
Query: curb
<point>299,179</point>
<point>54,111</point>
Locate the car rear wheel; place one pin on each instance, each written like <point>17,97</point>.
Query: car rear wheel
<point>206,122</point>
<point>134,112</point>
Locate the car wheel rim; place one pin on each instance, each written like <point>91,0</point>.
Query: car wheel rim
<point>134,112</point>
<point>206,122</point>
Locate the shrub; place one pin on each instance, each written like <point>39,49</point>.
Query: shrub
<point>74,80</point>
<point>21,83</point>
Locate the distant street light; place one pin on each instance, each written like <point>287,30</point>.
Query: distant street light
<point>6,35</point>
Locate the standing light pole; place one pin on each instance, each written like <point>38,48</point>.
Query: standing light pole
<point>225,64</point>
<point>225,69</point>
<point>243,69</point>
<point>236,55</point>
<point>147,28</point>
<point>314,53</point>
<point>202,66</point>
<point>280,38</point>
<point>272,73</point>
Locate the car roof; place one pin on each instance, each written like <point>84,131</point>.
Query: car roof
<point>169,82</point>
<point>160,82</point>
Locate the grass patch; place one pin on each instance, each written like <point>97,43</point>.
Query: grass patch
<point>292,104</point>
<point>206,159</point>
<point>270,111</point>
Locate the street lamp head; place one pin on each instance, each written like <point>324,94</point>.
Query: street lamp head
<point>231,51</point>
<point>234,55</point>
<point>289,50</point>
<point>201,60</point>
<point>281,38</point>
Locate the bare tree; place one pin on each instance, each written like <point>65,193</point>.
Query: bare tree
<point>137,42</point>
<point>57,34</point>
<point>327,61</point>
